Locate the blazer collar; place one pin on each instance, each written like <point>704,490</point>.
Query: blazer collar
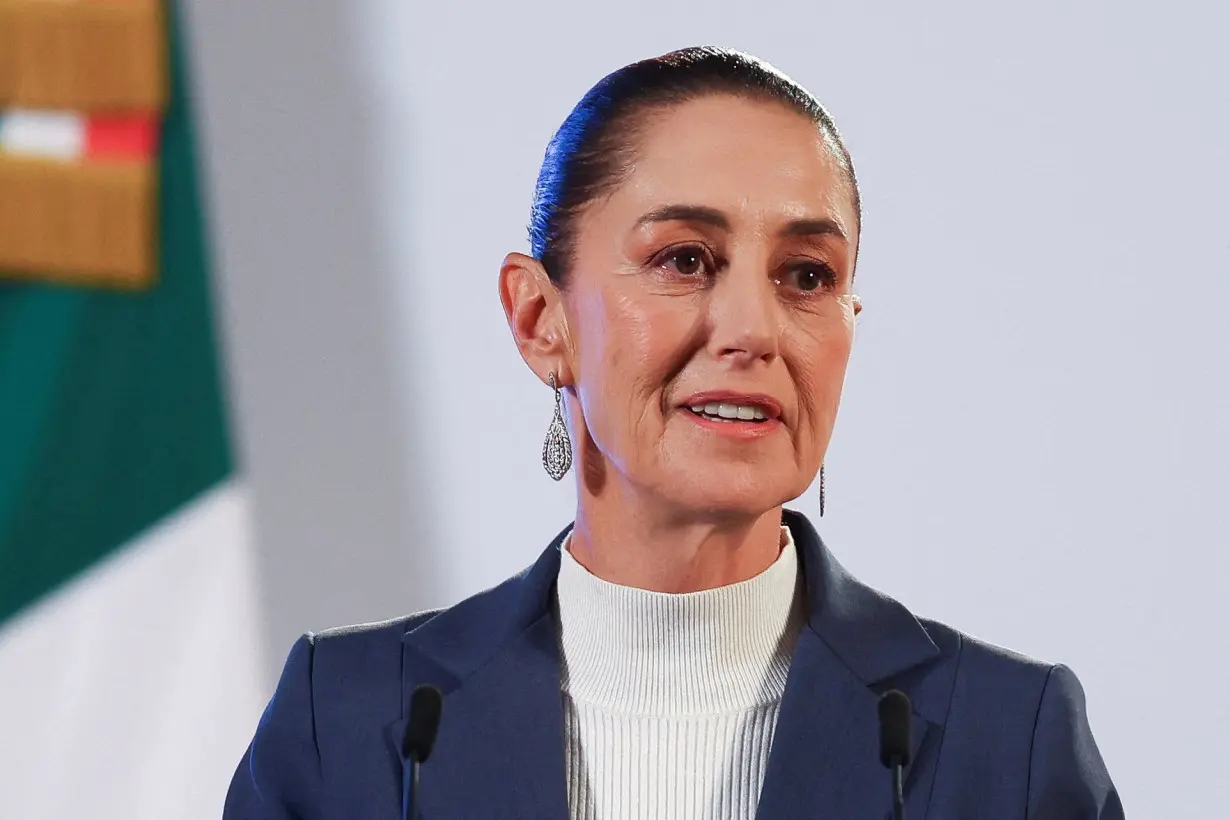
<point>500,751</point>
<point>873,635</point>
<point>500,748</point>
<point>857,644</point>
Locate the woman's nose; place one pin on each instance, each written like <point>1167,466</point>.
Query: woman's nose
<point>744,318</point>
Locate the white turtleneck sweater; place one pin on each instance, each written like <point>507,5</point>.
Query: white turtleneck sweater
<point>671,700</point>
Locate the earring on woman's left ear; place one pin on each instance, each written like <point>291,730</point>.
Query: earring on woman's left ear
<point>822,491</point>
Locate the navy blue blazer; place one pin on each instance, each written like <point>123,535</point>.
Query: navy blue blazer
<point>996,735</point>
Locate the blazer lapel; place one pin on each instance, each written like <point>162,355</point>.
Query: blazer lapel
<point>825,755</point>
<point>500,751</point>
<point>825,759</point>
<point>495,658</point>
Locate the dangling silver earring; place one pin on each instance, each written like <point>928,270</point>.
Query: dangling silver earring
<point>557,449</point>
<point>821,490</point>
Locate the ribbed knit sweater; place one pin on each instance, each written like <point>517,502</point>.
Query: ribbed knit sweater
<point>671,700</point>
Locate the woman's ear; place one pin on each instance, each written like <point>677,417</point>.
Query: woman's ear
<point>535,314</point>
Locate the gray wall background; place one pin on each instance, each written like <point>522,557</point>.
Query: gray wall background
<point>1033,444</point>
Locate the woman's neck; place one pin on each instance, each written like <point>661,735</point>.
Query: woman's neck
<point>668,551</point>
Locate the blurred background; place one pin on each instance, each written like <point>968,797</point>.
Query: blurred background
<point>306,410</point>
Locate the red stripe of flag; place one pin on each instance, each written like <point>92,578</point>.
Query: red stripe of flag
<point>124,136</point>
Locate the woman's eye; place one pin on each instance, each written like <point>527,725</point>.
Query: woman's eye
<point>687,261</point>
<point>811,276</point>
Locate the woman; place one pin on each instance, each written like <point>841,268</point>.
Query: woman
<point>686,648</point>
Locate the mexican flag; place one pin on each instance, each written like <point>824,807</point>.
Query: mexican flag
<point>130,672</point>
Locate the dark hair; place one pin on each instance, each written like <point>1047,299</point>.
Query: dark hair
<point>592,151</point>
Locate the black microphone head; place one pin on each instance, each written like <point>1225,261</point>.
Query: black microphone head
<point>895,711</point>
<point>420,737</point>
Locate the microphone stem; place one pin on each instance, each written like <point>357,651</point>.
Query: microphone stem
<point>410,789</point>
<point>898,796</point>
<point>414,791</point>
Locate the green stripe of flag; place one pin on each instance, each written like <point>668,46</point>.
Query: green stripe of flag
<point>111,409</point>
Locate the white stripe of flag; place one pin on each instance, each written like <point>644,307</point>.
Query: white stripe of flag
<point>51,134</point>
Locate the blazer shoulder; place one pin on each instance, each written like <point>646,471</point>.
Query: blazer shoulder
<point>1006,706</point>
<point>368,654</point>
<point>989,685</point>
<point>375,631</point>
<point>982,658</point>
<point>982,679</point>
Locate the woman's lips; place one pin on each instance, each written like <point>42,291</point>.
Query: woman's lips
<point>746,430</point>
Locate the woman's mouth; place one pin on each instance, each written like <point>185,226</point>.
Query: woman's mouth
<point>741,416</point>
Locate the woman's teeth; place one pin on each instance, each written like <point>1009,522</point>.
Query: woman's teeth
<point>730,412</point>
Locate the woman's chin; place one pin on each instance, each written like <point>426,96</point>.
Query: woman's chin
<point>733,492</point>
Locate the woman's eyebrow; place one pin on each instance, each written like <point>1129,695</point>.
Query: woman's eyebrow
<point>686,213</point>
<point>813,227</point>
<point>714,217</point>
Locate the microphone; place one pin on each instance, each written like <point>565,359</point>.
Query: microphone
<point>416,744</point>
<point>895,713</point>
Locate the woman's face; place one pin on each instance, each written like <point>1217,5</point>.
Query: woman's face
<point>715,281</point>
